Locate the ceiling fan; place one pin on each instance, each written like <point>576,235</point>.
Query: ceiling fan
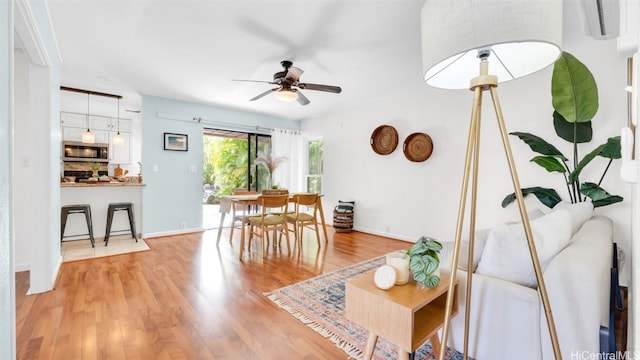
<point>289,85</point>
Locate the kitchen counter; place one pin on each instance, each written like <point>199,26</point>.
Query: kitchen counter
<point>97,184</point>
<point>99,195</point>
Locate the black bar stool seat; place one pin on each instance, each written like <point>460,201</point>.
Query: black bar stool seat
<point>123,206</point>
<point>76,209</point>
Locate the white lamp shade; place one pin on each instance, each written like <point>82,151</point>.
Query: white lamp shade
<point>88,137</point>
<point>286,95</point>
<point>524,37</point>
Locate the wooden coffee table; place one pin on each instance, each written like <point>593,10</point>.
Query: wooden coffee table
<point>406,315</point>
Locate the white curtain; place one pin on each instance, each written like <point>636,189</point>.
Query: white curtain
<point>289,174</point>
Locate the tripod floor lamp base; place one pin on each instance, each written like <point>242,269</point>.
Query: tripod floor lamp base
<point>479,84</point>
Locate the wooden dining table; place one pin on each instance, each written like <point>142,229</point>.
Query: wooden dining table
<point>252,199</point>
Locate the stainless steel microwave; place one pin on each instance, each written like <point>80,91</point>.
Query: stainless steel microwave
<point>78,151</point>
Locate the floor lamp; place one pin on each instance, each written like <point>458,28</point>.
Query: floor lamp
<point>459,38</point>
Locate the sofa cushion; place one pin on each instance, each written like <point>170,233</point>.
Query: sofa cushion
<point>506,253</point>
<point>580,212</point>
<point>479,241</point>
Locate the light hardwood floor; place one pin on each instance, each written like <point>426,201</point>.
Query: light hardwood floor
<point>186,299</point>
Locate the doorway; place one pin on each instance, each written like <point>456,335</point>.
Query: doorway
<point>229,164</point>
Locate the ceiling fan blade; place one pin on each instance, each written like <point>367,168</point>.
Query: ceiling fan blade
<point>327,88</point>
<point>264,94</point>
<point>302,99</point>
<point>293,74</point>
<point>257,81</point>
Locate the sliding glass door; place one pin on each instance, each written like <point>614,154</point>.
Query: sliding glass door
<point>229,162</point>
<point>258,174</point>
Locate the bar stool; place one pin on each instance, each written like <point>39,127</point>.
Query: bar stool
<point>113,207</point>
<point>76,209</point>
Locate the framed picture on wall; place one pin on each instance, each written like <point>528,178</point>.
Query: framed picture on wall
<point>176,142</point>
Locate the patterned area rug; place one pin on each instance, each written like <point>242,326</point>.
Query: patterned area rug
<point>319,303</point>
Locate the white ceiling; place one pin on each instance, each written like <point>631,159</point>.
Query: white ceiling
<point>191,49</point>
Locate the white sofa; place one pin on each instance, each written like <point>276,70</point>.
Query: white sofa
<point>507,318</point>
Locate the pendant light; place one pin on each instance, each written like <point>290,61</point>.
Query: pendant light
<point>88,137</point>
<point>117,138</point>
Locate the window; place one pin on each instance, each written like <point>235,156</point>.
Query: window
<point>314,166</point>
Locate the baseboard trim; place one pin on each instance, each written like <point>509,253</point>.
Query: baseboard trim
<point>170,233</point>
<point>388,235</point>
<point>22,267</point>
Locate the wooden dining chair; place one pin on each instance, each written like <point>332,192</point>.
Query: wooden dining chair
<point>275,192</point>
<point>240,213</point>
<point>306,211</point>
<point>278,192</point>
<point>271,218</point>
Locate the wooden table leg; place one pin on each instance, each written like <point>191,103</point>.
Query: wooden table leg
<point>371,346</point>
<point>222,214</point>
<point>324,224</point>
<point>435,345</point>
<point>402,355</point>
<point>241,250</point>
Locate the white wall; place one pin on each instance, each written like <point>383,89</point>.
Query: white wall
<point>39,147</point>
<point>7,276</point>
<point>23,173</point>
<point>172,195</point>
<point>402,199</point>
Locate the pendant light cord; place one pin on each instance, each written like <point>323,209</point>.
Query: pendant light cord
<point>118,115</point>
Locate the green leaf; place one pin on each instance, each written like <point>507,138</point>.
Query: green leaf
<point>549,197</point>
<point>431,264</point>
<point>420,277</point>
<point>417,264</point>
<point>538,145</point>
<point>434,245</point>
<point>575,174</point>
<point>593,191</point>
<point>418,248</point>
<point>550,163</point>
<point>598,195</point>
<point>573,132</point>
<point>574,90</point>
<point>609,150</point>
<point>607,201</point>
<point>432,281</point>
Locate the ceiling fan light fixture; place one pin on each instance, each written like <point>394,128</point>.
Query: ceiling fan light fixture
<point>287,95</point>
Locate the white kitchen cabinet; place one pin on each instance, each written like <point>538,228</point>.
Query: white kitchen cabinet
<point>120,154</point>
<point>73,120</point>
<point>96,122</point>
<point>126,125</point>
<point>103,127</point>
<point>75,134</point>
<point>100,123</point>
<point>72,133</point>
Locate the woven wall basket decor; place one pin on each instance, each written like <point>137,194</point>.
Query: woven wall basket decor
<point>417,147</point>
<point>384,139</point>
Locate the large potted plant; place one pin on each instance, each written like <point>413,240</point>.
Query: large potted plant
<point>575,102</point>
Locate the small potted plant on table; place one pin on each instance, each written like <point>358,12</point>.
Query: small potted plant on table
<point>424,261</point>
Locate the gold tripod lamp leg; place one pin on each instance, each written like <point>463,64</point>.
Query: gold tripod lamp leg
<point>478,85</point>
